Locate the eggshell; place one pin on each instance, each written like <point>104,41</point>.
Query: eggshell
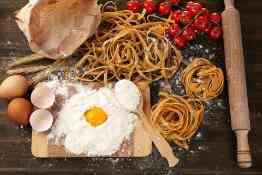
<point>19,110</point>
<point>41,120</point>
<point>13,87</point>
<point>42,97</point>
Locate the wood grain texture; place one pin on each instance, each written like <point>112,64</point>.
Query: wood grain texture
<point>236,80</point>
<point>211,154</point>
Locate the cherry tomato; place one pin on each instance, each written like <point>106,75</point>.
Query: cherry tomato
<point>205,13</point>
<point>200,23</point>
<point>189,34</point>
<point>194,7</point>
<point>149,6</point>
<point>189,3</point>
<point>216,33</point>
<point>176,16</point>
<point>180,41</point>
<point>215,18</point>
<point>174,30</point>
<point>164,8</point>
<point>208,28</point>
<point>175,1</point>
<point>186,17</point>
<point>133,5</point>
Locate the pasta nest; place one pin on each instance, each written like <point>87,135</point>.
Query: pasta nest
<point>202,79</point>
<point>177,118</point>
<point>131,47</point>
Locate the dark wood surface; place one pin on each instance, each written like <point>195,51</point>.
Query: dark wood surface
<point>210,154</point>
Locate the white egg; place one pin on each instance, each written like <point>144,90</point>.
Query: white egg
<point>80,136</point>
<point>128,94</point>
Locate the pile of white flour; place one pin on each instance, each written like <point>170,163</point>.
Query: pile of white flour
<point>80,137</point>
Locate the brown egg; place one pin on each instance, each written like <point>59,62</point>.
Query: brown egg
<point>13,87</point>
<point>19,110</point>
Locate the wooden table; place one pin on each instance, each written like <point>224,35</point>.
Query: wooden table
<point>210,154</point>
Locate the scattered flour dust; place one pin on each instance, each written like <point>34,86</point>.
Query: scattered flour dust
<point>79,137</point>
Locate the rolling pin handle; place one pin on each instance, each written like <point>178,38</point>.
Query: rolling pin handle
<point>229,4</point>
<point>243,151</point>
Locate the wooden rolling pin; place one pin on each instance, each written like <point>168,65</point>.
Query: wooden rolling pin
<point>234,59</point>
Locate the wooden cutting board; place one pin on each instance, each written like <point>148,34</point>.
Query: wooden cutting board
<point>139,144</point>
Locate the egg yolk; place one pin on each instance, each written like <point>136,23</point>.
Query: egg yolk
<point>95,116</point>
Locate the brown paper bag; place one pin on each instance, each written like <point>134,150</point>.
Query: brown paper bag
<point>56,28</point>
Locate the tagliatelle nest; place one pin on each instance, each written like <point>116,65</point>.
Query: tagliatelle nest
<point>177,118</point>
<point>128,46</point>
<point>202,79</point>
